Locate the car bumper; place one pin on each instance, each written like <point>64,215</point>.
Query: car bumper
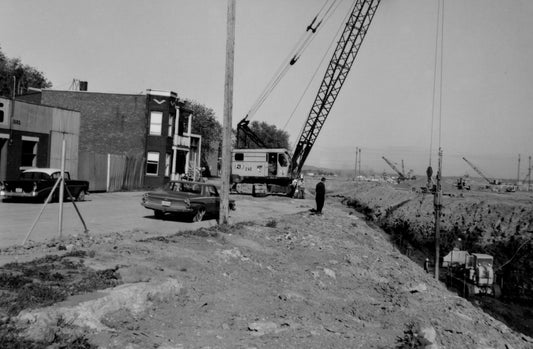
<point>10,194</point>
<point>169,209</point>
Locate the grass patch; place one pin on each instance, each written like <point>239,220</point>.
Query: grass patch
<point>44,282</point>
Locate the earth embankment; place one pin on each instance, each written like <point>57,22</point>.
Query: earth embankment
<point>285,281</point>
<point>479,221</point>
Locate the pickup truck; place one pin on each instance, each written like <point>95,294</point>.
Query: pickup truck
<point>37,183</point>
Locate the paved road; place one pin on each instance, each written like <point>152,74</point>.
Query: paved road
<point>120,212</point>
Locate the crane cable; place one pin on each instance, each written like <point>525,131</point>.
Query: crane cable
<point>439,34</point>
<point>441,71</point>
<point>326,54</point>
<point>323,15</point>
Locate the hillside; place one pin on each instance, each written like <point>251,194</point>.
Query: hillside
<point>297,281</point>
<point>479,221</point>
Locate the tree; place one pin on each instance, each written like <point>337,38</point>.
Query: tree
<point>269,134</point>
<point>25,75</point>
<point>206,125</point>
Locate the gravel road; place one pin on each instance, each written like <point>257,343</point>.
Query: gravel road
<point>119,212</point>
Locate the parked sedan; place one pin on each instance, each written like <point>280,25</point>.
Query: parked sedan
<point>39,182</point>
<point>193,200</point>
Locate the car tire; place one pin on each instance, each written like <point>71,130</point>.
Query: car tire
<point>158,214</point>
<point>81,196</point>
<point>199,214</point>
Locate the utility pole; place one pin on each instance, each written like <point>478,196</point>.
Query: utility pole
<point>356,150</point>
<point>228,110</point>
<point>12,111</point>
<point>529,175</point>
<point>61,190</point>
<point>518,172</point>
<point>359,170</point>
<point>438,209</point>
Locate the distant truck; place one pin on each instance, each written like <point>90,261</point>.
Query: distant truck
<point>37,183</point>
<point>471,274</point>
<point>261,171</point>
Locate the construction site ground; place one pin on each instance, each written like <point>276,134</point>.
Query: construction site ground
<point>280,280</point>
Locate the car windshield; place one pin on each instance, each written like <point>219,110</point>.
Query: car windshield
<point>34,175</point>
<point>186,187</point>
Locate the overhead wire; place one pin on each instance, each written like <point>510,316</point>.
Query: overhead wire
<point>304,41</point>
<point>437,69</point>
<point>435,66</point>
<point>441,71</point>
<point>326,54</point>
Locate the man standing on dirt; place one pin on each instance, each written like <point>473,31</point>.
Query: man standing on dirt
<point>426,265</point>
<point>320,195</point>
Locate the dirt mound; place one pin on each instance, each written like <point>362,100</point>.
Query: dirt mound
<point>300,280</point>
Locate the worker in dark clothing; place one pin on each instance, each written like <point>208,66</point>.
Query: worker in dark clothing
<point>320,195</point>
<point>426,265</point>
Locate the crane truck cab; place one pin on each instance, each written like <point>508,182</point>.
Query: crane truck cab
<point>261,171</point>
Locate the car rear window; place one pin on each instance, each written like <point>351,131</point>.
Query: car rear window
<point>186,187</point>
<point>34,175</point>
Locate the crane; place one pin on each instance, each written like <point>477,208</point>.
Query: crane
<point>490,181</point>
<point>402,176</point>
<point>259,167</point>
<point>336,73</point>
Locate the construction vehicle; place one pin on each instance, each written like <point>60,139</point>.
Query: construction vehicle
<point>250,176</point>
<point>490,181</point>
<point>493,184</point>
<point>471,274</point>
<point>461,184</point>
<point>401,175</point>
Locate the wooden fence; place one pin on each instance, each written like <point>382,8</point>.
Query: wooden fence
<point>111,172</point>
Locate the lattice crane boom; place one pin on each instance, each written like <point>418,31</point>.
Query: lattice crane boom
<point>339,66</point>
<point>391,164</point>
<point>491,181</point>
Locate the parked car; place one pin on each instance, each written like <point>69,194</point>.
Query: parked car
<point>193,200</point>
<point>37,183</point>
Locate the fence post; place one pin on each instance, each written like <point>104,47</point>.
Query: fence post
<point>108,179</point>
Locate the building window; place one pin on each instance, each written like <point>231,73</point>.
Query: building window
<point>239,156</point>
<point>1,112</point>
<point>152,163</point>
<point>29,152</point>
<point>156,119</point>
<point>170,125</point>
<point>168,161</point>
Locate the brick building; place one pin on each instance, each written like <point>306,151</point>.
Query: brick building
<point>145,128</point>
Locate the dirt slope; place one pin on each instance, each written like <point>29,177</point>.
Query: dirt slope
<point>297,281</point>
<point>500,224</point>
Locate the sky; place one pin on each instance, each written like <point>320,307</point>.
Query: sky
<point>385,107</point>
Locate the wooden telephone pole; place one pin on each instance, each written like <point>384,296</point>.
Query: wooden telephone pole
<point>437,195</point>
<point>359,159</point>
<point>518,172</point>
<point>356,150</point>
<point>529,175</point>
<point>228,110</point>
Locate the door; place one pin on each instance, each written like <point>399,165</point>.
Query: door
<point>213,199</point>
<point>3,158</point>
<point>272,164</point>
